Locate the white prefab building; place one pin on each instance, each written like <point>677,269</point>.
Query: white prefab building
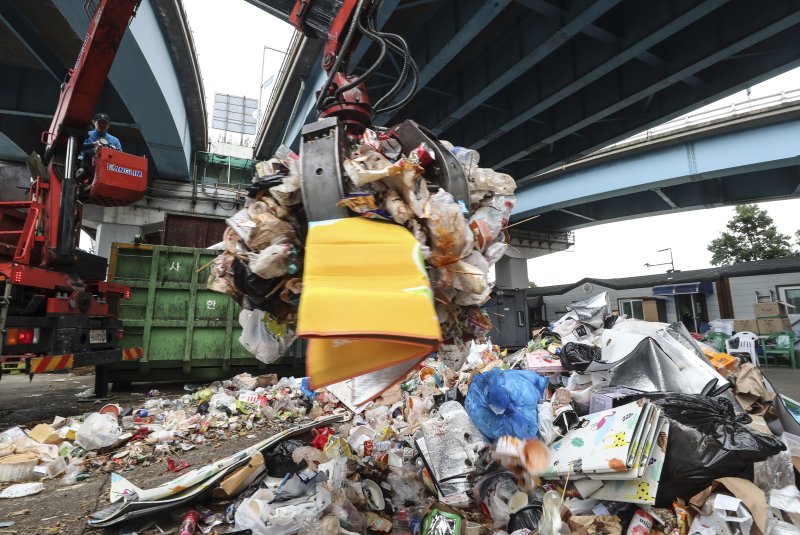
<point>693,297</point>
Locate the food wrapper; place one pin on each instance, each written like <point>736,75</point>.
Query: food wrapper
<point>439,522</point>
<point>364,204</point>
<point>338,447</point>
<point>369,168</point>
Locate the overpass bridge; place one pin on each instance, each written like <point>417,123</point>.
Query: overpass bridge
<point>733,154</point>
<point>532,84</point>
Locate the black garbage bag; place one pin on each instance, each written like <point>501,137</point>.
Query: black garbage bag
<point>254,287</point>
<point>578,356</point>
<point>707,440</point>
<point>279,460</point>
<point>264,184</point>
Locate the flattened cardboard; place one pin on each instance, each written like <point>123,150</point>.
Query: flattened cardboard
<point>241,478</point>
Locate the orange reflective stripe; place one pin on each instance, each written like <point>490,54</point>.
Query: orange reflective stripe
<point>52,364</point>
<point>132,353</point>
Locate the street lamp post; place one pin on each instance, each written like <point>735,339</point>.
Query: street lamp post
<point>671,263</point>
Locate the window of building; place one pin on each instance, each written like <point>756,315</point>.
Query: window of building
<point>791,295</point>
<point>633,308</point>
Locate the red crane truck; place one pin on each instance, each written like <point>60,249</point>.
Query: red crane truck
<point>56,309</point>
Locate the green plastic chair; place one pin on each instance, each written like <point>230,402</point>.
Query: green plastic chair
<point>780,345</point>
<point>717,340</point>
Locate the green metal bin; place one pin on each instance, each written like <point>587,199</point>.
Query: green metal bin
<point>187,332</point>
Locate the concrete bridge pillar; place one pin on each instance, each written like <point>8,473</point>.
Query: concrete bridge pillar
<point>511,272</point>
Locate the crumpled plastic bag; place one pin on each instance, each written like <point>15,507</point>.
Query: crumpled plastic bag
<point>450,236</point>
<point>577,357</point>
<point>98,431</point>
<point>708,440</point>
<point>285,518</point>
<point>271,262</point>
<point>484,179</point>
<point>256,339</point>
<point>487,224</point>
<point>268,229</point>
<point>592,310</point>
<point>720,520</point>
<point>503,402</point>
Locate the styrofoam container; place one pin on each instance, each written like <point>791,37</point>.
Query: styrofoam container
<point>18,467</point>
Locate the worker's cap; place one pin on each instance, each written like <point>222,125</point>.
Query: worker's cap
<point>102,117</point>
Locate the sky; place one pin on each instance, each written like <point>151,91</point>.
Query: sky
<point>230,37</point>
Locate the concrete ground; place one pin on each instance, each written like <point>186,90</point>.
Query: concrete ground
<point>63,509</point>
<point>785,380</point>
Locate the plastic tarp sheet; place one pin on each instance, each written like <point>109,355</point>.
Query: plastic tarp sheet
<point>675,344</point>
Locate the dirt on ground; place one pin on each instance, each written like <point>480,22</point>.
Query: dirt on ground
<point>63,509</point>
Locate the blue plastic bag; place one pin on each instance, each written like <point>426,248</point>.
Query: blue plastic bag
<point>503,402</point>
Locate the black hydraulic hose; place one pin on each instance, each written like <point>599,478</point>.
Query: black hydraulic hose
<point>371,69</point>
<point>343,52</point>
<point>403,49</point>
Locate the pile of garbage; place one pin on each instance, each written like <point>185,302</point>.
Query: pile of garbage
<point>601,425</point>
<point>262,265</point>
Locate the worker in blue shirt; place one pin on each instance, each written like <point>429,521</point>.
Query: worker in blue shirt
<point>101,123</point>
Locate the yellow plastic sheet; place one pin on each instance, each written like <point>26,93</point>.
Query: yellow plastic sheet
<point>367,303</point>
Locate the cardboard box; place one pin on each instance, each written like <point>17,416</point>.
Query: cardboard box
<point>774,325</point>
<point>750,326</point>
<point>771,309</point>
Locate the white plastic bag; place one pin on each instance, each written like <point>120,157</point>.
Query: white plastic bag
<point>729,517</point>
<point>258,340</point>
<point>270,262</point>
<point>98,431</point>
<point>546,431</point>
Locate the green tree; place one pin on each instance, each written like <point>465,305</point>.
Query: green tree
<point>533,284</point>
<point>797,238</point>
<point>751,235</point>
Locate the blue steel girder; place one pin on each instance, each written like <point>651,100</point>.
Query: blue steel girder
<point>144,76</point>
<point>504,70</point>
<point>661,23</point>
<point>697,49</point>
<point>601,34</point>
<point>456,25</point>
<point>27,34</point>
<point>756,163</point>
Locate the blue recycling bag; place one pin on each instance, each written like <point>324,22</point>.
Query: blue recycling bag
<point>504,402</point>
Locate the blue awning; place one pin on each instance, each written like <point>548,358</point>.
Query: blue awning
<point>685,288</point>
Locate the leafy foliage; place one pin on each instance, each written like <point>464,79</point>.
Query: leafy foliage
<point>751,235</point>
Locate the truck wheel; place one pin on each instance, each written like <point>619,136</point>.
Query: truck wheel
<point>100,381</point>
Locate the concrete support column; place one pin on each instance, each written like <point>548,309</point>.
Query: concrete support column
<point>511,272</point>
<point>108,233</point>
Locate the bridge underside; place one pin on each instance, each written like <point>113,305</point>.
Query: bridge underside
<point>146,96</point>
<point>532,84</point>
<point>745,161</point>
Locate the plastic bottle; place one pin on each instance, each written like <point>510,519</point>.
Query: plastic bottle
<point>468,158</point>
<point>551,514</point>
<point>554,348</point>
<point>189,523</point>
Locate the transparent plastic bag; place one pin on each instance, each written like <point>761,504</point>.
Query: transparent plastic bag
<point>270,262</point>
<point>256,339</point>
<point>546,431</point>
<point>491,180</point>
<point>98,431</point>
<point>450,236</point>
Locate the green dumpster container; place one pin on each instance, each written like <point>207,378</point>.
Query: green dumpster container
<point>187,332</point>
